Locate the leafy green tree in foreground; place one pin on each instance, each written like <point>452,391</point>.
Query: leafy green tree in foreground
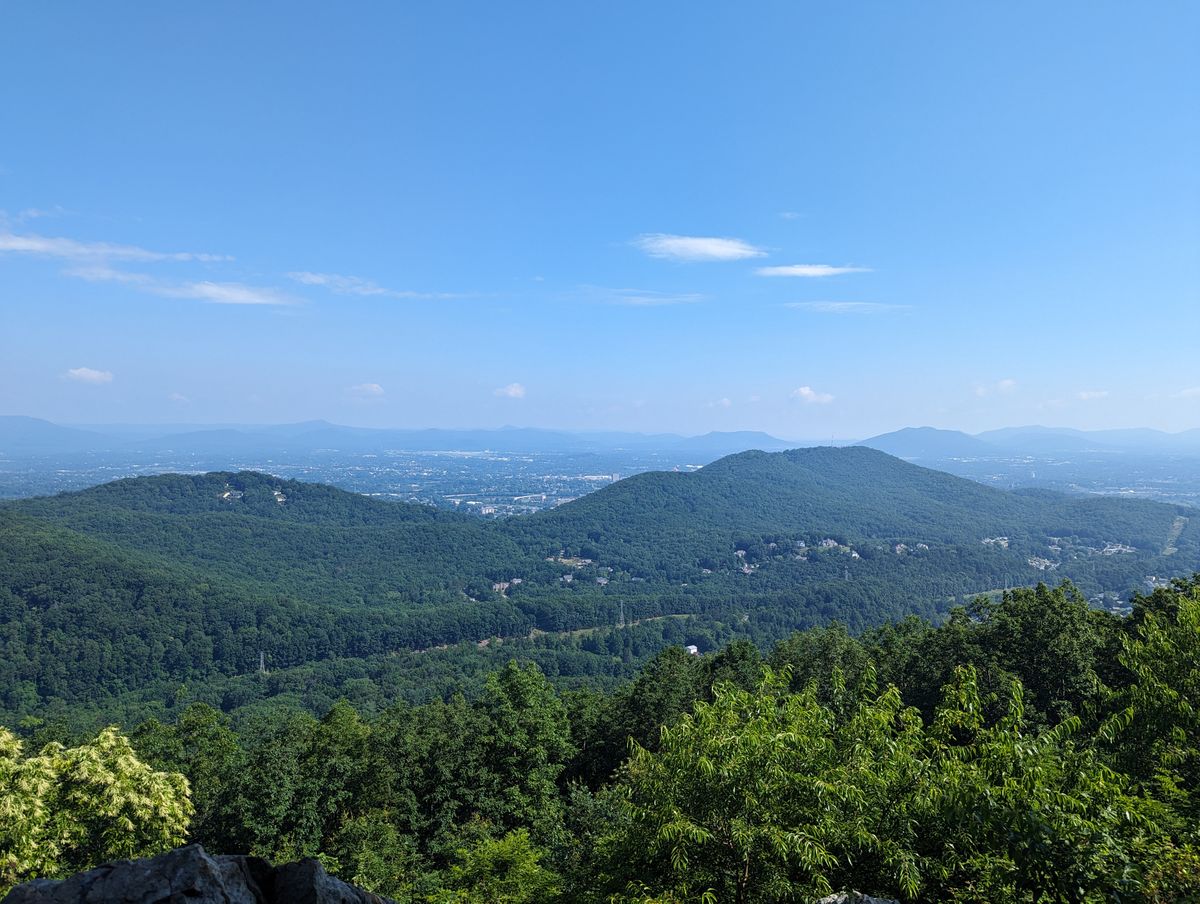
<point>1154,729</point>
<point>69,808</point>
<point>1157,717</point>
<point>1009,813</point>
<point>202,746</point>
<point>506,870</point>
<point>765,796</point>
<point>527,748</point>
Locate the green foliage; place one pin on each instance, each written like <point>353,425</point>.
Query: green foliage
<point>1048,638</point>
<point>67,809</point>
<point>1005,754</point>
<point>817,654</point>
<point>1156,718</point>
<point>527,745</point>
<point>505,870</point>
<point>200,745</point>
<point>163,591</point>
<point>762,795</point>
<point>1021,816</point>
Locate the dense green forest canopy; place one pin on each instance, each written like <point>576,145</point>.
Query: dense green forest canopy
<point>1029,749</point>
<point>133,597</point>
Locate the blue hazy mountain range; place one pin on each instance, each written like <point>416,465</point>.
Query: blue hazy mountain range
<point>21,436</point>
<point>930,443</point>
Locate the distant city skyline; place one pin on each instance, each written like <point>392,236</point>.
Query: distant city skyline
<point>817,222</point>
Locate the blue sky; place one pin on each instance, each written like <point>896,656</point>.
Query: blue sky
<point>813,219</point>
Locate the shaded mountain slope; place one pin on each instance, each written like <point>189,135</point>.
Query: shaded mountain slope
<point>310,541</point>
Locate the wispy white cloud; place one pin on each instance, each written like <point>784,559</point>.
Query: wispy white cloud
<point>10,220</point>
<point>344,285</point>
<point>89,375</point>
<point>788,215</point>
<point>104,273</point>
<point>846,307</point>
<point>810,396</point>
<point>202,290</point>
<point>692,248</point>
<point>511,391</point>
<point>367,391</point>
<point>1000,387</point>
<point>37,213</point>
<point>356,285</point>
<point>641,298</point>
<point>721,403</point>
<point>178,398</point>
<point>223,293</point>
<point>1088,395</point>
<point>70,249</point>
<point>1191,393</point>
<point>809,271</point>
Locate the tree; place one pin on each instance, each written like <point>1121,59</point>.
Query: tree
<point>506,870</point>
<point>815,655</point>
<point>265,793</point>
<point>1018,815</point>
<point>1155,725</point>
<point>763,796</point>
<point>528,746</point>
<point>200,745</point>
<point>70,808</point>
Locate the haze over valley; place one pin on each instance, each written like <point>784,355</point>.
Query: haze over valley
<point>495,473</point>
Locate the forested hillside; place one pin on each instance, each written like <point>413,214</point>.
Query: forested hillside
<point>664,522</point>
<point>129,597</point>
<point>1030,749</point>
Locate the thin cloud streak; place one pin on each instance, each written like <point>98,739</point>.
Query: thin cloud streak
<point>201,290</point>
<point>356,285</point>
<point>846,307</point>
<point>640,298</point>
<point>223,293</point>
<point>692,248</point>
<point>70,249</point>
<point>809,271</point>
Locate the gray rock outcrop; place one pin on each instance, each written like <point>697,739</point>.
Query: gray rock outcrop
<point>190,875</point>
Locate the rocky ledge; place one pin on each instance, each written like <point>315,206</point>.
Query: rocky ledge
<point>189,875</point>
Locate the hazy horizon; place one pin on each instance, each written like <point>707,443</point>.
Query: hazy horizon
<point>178,425</point>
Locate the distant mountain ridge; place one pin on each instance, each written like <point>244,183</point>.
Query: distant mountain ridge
<point>21,435</point>
<point>932,444</point>
<point>24,436</point>
<point>929,443</point>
